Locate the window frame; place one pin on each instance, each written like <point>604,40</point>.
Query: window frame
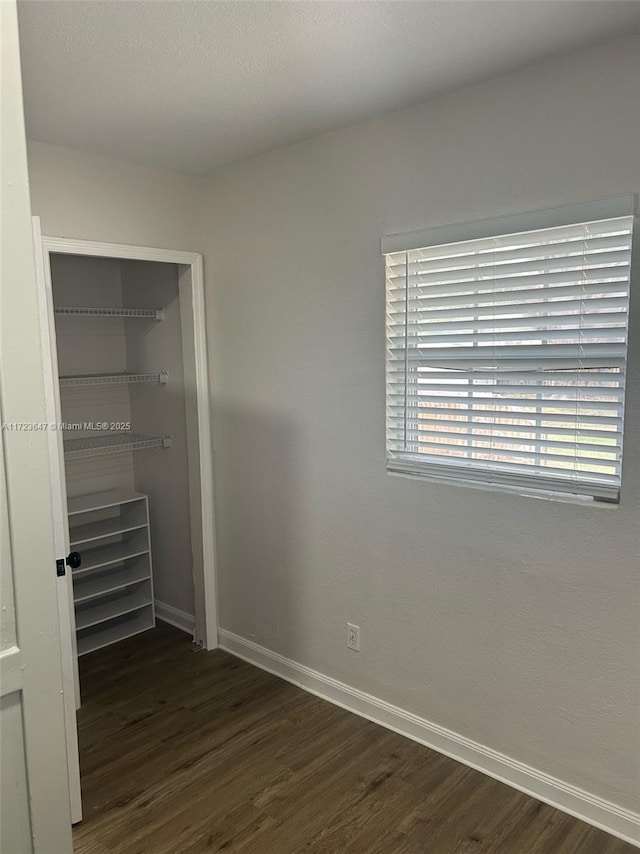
<point>475,475</point>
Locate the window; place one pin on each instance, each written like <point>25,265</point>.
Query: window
<point>507,349</point>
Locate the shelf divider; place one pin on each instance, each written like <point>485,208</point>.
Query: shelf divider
<point>109,583</point>
<point>96,531</point>
<point>110,555</point>
<point>102,500</point>
<point>108,633</point>
<point>93,615</point>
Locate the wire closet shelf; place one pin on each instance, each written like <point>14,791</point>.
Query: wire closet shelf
<point>127,378</point>
<point>107,311</point>
<point>112,443</point>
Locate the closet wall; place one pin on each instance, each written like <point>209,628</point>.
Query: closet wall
<point>166,477</point>
<point>92,345</point>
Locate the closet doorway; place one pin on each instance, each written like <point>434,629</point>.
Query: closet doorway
<point>127,386</point>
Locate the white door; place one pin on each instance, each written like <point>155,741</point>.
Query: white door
<point>36,813</point>
<point>64,584</point>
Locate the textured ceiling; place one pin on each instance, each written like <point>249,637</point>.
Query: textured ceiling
<point>191,86</point>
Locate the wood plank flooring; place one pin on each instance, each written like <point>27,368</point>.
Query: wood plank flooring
<point>184,752</point>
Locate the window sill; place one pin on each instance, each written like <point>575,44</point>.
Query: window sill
<point>525,492</point>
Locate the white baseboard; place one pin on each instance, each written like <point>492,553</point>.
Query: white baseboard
<point>603,814</point>
<point>175,617</point>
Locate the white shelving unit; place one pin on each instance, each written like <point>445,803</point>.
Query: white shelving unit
<point>113,587</point>
<point>92,531</point>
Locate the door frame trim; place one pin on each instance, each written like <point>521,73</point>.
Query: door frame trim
<point>206,627</point>
<point>64,584</point>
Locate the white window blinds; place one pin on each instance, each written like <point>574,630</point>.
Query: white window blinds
<point>506,357</point>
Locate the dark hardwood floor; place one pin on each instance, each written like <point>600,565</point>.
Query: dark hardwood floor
<point>184,752</point>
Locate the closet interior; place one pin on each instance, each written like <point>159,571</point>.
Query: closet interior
<point>119,342</point>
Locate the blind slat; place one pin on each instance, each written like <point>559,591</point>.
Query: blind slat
<point>521,452</point>
<point>498,439</point>
<point>567,376</point>
<point>506,431</point>
<point>611,353</point>
<point>520,310</point>
<point>548,403</point>
<point>494,269</point>
<point>590,284</point>
<point>584,417</point>
<point>586,335</point>
<point>534,322</point>
<point>503,465</point>
<point>571,247</point>
<point>490,388</point>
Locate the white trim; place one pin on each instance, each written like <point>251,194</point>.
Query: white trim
<point>542,487</point>
<point>486,486</point>
<point>514,224</point>
<point>209,632</point>
<point>603,814</point>
<point>175,617</point>
<point>58,490</point>
<point>68,246</point>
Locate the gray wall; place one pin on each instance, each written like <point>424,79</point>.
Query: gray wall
<point>91,197</point>
<point>511,620</point>
<point>159,411</point>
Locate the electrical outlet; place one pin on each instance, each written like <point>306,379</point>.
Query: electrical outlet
<point>353,637</point>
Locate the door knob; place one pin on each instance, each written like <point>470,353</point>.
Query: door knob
<point>74,559</point>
